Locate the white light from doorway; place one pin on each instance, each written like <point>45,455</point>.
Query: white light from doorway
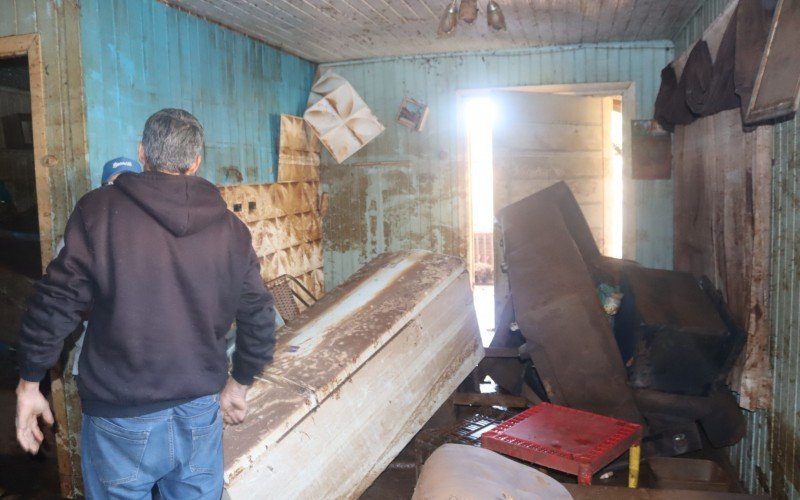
<point>614,247</point>
<point>480,114</point>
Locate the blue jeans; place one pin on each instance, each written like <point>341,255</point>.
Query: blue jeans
<point>179,448</point>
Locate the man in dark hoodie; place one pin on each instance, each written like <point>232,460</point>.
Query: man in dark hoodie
<point>165,269</point>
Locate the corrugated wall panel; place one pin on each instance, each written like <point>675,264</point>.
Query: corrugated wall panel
<point>402,190</point>
<point>142,56</point>
<point>768,459</point>
<point>697,23</point>
<point>782,462</point>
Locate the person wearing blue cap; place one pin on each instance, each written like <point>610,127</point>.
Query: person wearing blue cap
<point>113,168</point>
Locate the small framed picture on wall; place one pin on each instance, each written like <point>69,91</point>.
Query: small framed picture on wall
<point>412,114</point>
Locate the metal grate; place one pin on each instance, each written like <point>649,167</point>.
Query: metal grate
<point>286,296</point>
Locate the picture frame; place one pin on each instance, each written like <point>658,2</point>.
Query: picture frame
<point>412,114</point>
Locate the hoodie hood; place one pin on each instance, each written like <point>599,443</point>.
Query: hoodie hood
<point>182,204</point>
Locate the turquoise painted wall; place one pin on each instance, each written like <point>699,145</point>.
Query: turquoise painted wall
<point>140,56</point>
<point>412,197</point>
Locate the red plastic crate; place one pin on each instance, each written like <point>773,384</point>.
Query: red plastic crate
<point>572,441</point>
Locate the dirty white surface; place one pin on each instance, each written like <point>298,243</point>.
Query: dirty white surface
<point>339,116</point>
<point>354,378</point>
<point>461,472</point>
<point>324,31</point>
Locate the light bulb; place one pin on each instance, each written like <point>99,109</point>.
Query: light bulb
<point>494,16</point>
<point>447,25</point>
<point>468,11</point>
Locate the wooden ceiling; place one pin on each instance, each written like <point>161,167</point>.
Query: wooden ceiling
<point>340,30</point>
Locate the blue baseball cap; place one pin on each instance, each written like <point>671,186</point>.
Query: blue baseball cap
<point>117,166</point>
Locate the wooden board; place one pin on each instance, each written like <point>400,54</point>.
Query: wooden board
<point>298,158</point>
<point>777,86</point>
<point>286,226</point>
<point>539,140</point>
<point>722,229</point>
<point>354,378</point>
<point>568,335</point>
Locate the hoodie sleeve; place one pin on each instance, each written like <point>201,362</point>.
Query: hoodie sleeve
<point>57,304</point>
<point>255,325</point>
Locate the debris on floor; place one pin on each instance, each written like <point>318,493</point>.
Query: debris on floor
<point>671,337</point>
<point>613,338</point>
<point>466,432</point>
<point>664,361</point>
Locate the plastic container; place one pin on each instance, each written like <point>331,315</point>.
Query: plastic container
<point>572,441</point>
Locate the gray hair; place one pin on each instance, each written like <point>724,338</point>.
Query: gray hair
<point>172,140</point>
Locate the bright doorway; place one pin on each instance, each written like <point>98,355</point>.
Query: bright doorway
<point>480,114</point>
<point>522,140</point>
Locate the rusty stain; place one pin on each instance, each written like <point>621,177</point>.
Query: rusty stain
<point>298,158</point>
<point>324,204</point>
<point>722,226</point>
<point>345,225</point>
<point>50,161</point>
<point>230,173</point>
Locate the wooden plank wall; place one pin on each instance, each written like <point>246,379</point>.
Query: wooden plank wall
<point>141,56</point>
<point>722,221</point>
<point>404,189</point>
<point>543,139</point>
<point>767,458</point>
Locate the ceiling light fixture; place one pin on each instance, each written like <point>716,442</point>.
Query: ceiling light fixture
<point>494,16</point>
<point>467,11</point>
<point>447,24</point>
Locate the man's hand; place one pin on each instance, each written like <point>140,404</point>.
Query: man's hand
<point>31,404</point>
<point>233,403</point>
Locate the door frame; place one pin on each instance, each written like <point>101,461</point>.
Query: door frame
<point>626,89</point>
<point>64,395</point>
<point>30,46</point>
